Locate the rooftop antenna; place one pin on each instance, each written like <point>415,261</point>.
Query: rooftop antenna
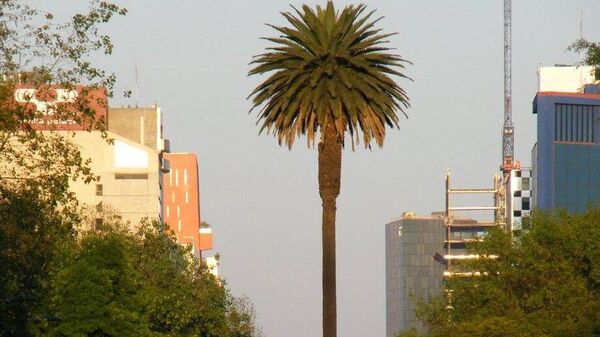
<point>137,85</point>
<point>581,26</point>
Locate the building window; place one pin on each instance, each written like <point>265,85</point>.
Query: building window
<point>185,176</point>
<point>575,123</point>
<point>187,198</point>
<point>173,197</point>
<point>526,202</point>
<point>177,177</point>
<point>131,176</point>
<point>179,224</point>
<point>167,209</point>
<point>99,207</point>
<point>525,184</point>
<point>517,193</point>
<point>170,179</point>
<point>178,212</point>
<point>517,213</point>
<point>98,189</point>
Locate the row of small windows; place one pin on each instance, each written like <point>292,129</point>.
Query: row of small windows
<point>575,123</point>
<point>186,196</point>
<point>185,177</point>
<point>118,176</point>
<point>178,211</point>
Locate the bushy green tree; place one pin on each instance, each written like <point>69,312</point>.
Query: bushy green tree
<point>545,282</point>
<point>183,299</point>
<point>330,74</point>
<point>37,212</point>
<point>113,282</point>
<point>98,292</point>
<point>591,51</point>
<point>242,318</point>
<point>32,235</point>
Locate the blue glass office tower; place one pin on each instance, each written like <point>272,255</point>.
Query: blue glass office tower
<point>566,157</point>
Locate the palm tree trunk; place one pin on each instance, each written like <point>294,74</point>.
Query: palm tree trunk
<point>330,163</point>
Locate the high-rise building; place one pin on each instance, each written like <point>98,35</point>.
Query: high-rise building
<point>411,272</point>
<point>566,156</point>
<point>182,202</point>
<point>422,252</point>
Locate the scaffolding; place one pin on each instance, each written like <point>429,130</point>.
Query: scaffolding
<point>453,224</point>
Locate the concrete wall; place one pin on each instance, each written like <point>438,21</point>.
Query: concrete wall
<point>129,176</point>
<point>564,79</point>
<point>141,125</point>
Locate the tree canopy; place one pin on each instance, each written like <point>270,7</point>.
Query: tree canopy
<point>546,282</point>
<point>113,282</point>
<point>591,52</point>
<point>333,67</point>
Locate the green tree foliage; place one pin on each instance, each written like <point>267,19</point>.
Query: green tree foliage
<point>112,282</point>
<point>591,51</point>
<point>32,235</point>
<point>544,283</point>
<point>37,213</point>
<point>98,291</point>
<point>329,73</point>
<point>183,299</point>
<point>242,318</point>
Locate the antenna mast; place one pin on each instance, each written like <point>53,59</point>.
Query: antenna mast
<point>581,26</point>
<point>508,129</point>
<point>137,85</point>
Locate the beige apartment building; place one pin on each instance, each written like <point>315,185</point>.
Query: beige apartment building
<point>130,176</point>
<point>130,165</point>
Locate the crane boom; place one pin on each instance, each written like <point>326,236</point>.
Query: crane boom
<point>508,128</point>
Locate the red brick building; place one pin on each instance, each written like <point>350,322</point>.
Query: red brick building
<point>181,202</point>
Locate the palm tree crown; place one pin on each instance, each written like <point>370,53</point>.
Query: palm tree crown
<point>329,67</point>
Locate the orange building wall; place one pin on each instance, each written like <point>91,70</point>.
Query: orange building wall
<point>181,201</point>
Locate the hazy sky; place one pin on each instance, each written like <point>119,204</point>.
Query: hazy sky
<point>262,199</point>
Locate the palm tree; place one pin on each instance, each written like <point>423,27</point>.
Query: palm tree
<point>329,72</point>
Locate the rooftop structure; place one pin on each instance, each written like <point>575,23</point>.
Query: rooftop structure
<point>567,79</point>
<point>142,125</point>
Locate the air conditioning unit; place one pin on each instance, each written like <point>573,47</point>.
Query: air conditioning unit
<point>165,166</point>
<point>167,145</point>
<point>164,145</point>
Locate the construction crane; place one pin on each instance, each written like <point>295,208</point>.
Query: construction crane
<point>508,140</point>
